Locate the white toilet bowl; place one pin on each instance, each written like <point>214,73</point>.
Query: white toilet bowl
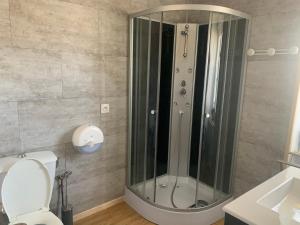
<point>26,194</point>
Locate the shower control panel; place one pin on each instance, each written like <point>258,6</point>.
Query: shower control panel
<point>182,95</point>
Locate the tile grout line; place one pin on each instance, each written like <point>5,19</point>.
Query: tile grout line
<point>10,23</point>
<point>19,128</point>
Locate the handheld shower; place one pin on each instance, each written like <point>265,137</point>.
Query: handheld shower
<point>181,113</point>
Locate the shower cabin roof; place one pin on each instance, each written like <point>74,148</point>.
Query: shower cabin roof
<point>192,7</point>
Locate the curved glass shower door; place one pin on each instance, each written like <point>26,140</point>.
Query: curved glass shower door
<point>186,75</point>
<point>146,79</point>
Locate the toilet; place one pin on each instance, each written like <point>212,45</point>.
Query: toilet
<point>27,189</point>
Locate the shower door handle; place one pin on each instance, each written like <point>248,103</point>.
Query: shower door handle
<point>209,119</point>
<point>153,112</point>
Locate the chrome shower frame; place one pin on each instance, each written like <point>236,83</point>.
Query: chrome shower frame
<point>182,7</point>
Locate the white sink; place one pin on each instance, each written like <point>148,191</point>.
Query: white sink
<point>284,200</point>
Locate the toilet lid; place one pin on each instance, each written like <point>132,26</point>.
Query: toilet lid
<point>26,188</point>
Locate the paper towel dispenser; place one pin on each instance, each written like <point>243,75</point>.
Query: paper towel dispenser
<point>87,139</point>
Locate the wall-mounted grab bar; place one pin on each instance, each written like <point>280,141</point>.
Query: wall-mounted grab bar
<point>297,154</point>
<point>288,164</point>
<point>272,51</point>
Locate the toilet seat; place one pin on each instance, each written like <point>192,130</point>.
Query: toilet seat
<point>26,193</point>
<point>40,217</point>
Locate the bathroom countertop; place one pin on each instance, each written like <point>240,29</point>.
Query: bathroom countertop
<point>246,208</point>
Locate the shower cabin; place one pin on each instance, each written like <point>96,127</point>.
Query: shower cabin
<point>186,80</point>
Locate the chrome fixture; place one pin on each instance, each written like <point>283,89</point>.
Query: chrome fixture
<point>293,160</point>
<point>181,113</point>
<point>183,91</point>
<point>185,32</point>
<point>22,155</point>
<point>272,51</point>
<point>288,164</point>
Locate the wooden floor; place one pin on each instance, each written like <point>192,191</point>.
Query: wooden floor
<point>120,214</point>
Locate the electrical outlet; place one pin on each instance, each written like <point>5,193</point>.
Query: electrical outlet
<point>104,108</point>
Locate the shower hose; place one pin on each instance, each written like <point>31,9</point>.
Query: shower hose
<point>178,157</point>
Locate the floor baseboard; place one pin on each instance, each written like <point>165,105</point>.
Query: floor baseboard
<point>96,209</point>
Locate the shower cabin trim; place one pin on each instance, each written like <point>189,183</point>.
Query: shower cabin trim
<point>182,7</point>
<point>195,7</point>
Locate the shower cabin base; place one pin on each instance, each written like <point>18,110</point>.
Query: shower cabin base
<point>165,217</point>
<point>184,195</point>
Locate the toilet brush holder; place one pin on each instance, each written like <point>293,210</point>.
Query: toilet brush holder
<point>67,215</point>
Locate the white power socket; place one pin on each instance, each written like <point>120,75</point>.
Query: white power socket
<point>104,108</point>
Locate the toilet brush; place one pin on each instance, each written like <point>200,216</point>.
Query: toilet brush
<point>66,210</point>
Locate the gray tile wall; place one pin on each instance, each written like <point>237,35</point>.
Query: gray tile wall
<point>59,60</point>
<point>271,84</point>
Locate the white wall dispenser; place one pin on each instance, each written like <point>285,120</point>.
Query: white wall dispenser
<point>87,139</point>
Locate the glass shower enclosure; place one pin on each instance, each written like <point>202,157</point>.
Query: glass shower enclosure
<point>186,79</point>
